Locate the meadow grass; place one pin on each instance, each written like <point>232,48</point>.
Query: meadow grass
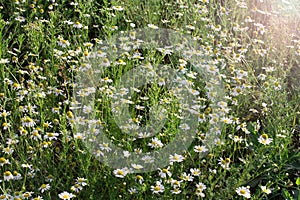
<point>253,47</point>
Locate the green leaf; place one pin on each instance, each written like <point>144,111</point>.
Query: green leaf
<point>298,181</point>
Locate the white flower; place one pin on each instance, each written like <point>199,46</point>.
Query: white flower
<point>148,159</point>
<point>44,187</point>
<point>243,191</point>
<point>77,25</point>
<point>200,149</point>
<point>137,166</point>
<point>265,189</point>
<point>121,173</point>
<point>164,172</point>
<point>4,61</point>
<point>66,195</point>
<point>118,8</point>
<point>152,26</point>
<point>81,181</point>
<point>158,188</point>
<point>8,176</point>
<point>155,143</point>
<point>176,158</point>
<point>264,139</point>
<point>201,186</point>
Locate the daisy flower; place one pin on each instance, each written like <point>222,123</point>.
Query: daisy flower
<point>155,143</point>
<point>121,173</point>
<point>176,158</point>
<point>265,189</point>
<point>66,195</point>
<point>152,26</point>
<point>81,181</point>
<point>8,176</point>
<point>44,187</point>
<point>243,191</point>
<point>200,149</point>
<point>157,188</point>
<point>264,139</point>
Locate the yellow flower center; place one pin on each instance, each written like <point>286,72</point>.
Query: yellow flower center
<point>157,188</point>
<point>243,192</point>
<point>265,136</point>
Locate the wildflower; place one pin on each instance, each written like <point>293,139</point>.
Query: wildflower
<point>66,195</point>
<point>155,143</point>
<point>132,190</point>
<point>164,172</point>
<point>186,177</point>
<point>195,171</point>
<point>105,147</point>
<point>158,188</point>
<point>148,159</point>
<point>114,28</point>
<point>243,191</point>
<point>44,187</point>
<point>137,166</point>
<point>77,24</point>
<point>76,188</point>
<point>121,173</point>
<point>176,190</point>
<point>4,161</point>
<point>140,179</point>
<point>200,149</point>
<point>265,189</point>
<point>152,26</point>
<point>27,121</point>
<point>118,8</point>
<point>4,113</point>
<point>226,120</point>
<point>236,91</point>
<point>264,139</point>
<point>201,186</point>
<point>8,176</point>
<point>81,181</point>
<point>38,198</point>
<point>27,194</point>
<point>4,61</point>
<point>175,183</point>
<point>79,136</point>
<point>7,150</point>
<point>26,166</point>
<point>176,158</point>
<point>51,136</point>
<point>224,163</point>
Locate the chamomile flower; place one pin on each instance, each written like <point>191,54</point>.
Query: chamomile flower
<point>66,195</point>
<point>164,172</point>
<point>265,189</point>
<point>264,139</point>
<point>76,188</point>
<point>120,173</point>
<point>155,143</point>
<point>224,163</point>
<point>4,161</point>
<point>152,26</point>
<point>195,171</point>
<point>175,190</point>
<point>8,176</point>
<point>44,187</point>
<point>176,158</point>
<point>201,186</point>
<point>81,181</point>
<point>200,149</point>
<point>243,191</point>
<point>157,188</point>
<point>77,24</point>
